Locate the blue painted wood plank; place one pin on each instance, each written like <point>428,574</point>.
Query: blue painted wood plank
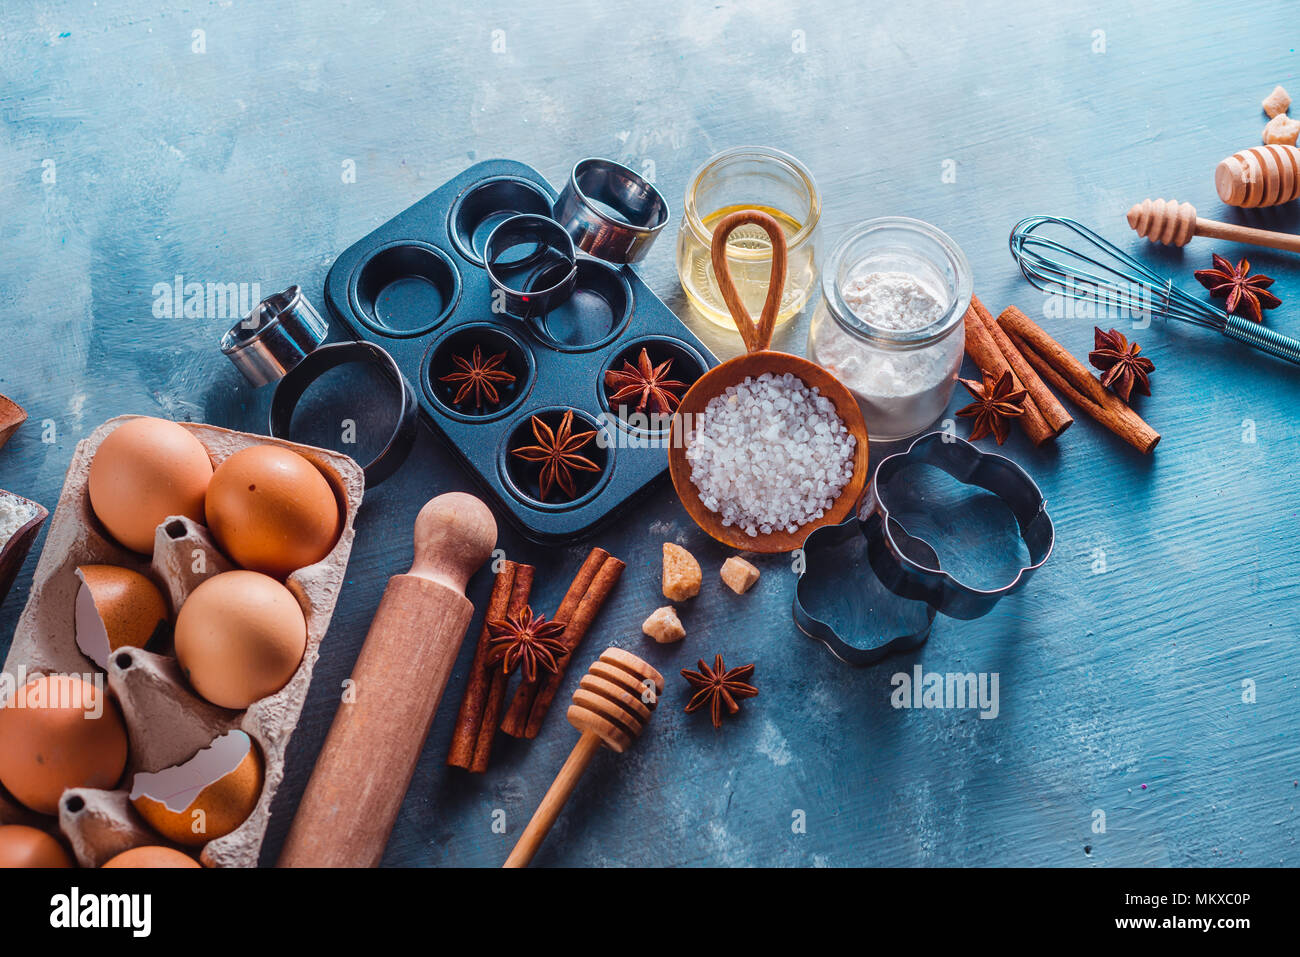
<point>1120,689</point>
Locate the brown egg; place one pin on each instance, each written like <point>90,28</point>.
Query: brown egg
<point>58,732</point>
<point>145,470</point>
<point>115,607</point>
<point>151,855</point>
<point>240,636</point>
<point>272,511</point>
<point>207,797</point>
<point>22,846</point>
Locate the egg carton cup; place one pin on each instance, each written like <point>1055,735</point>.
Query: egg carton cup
<point>166,720</point>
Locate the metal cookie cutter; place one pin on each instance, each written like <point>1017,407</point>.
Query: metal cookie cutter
<point>610,211</point>
<point>279,332</point>
<point>543,276</point>
<point>907,566</point>
<point>292,387</point>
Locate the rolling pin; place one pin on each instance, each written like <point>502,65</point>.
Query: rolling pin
<point>365,767</point>
<point>1173,223</point>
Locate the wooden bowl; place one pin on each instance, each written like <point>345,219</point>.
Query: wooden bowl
<point>758,360</point>
<point>14,552</point>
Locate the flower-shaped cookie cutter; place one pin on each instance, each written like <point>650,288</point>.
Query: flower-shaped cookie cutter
<point>908,566</point>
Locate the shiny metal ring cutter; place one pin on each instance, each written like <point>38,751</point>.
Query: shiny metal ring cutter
<point>279,332</point>
<point>908,566</point>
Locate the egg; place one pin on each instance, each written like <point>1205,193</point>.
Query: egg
<point>144,471</point>
<point>116,607</point>
<point>151,855</point>
<point>59,731</point>
<point>207,797</point>
<point>240,636</point>
<point>22,846</point>
<point>271,510</point>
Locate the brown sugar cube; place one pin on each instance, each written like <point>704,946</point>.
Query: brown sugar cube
<point>1282,129</point>
<point>1276,103</point>
<point>664,626</point>
<point>682,574</point>
<point>739,574</point>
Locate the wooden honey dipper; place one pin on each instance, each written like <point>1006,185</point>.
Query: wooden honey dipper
<point>611,708</point>
<point>1174,224</point>
<point>1259,176</point>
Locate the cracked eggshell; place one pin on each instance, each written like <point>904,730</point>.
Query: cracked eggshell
<point>151,855</point>
<point>145,470</point>
<point>59,732</point>
<point>207,797</point>
<point>22,846</point>
<point>116,607</point>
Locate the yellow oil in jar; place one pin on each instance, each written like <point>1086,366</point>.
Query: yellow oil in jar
<point>749,254</point>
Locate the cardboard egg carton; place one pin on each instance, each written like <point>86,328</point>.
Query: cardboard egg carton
<point>166,720</point>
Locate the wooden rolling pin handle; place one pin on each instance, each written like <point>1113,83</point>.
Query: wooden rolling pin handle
<point>553,803</point>
<point>365,767</point>
<point>1247,234</point>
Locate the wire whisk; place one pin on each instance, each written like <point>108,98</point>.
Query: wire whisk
<point>1089,268</point>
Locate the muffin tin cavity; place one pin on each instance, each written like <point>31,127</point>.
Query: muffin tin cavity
<point>405,289</point>
<point>444,378</point>
<point>485,206</point>
<point>557,347</point>
<point>595,312</point>
<point>524,478</point>
<point>687,366</point>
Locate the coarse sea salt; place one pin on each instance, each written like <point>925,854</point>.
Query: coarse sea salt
<point>770,454</point>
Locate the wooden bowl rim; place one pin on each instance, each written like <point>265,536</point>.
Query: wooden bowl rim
<point>731,372</point>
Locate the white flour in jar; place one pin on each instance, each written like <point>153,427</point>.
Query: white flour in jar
<point>897,301</point>
<point>896,388</point>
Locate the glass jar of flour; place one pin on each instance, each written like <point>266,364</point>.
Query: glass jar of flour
<point>889,324</point>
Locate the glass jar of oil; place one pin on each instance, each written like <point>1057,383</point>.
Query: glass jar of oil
<point>750,177</point>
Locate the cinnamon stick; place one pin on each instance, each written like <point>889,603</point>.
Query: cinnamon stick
<point>1049,406</point>
<point>985,353</point>
<point>1069,377</point>
<point>582,602</point>
<point>496,695</point>
<point>470,717</point>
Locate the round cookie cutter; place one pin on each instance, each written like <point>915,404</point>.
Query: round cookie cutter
<point>279,333</point>
<point>611,212</point>
<point>291,388</point>
<point>552,253</point>
<point>908,566</point>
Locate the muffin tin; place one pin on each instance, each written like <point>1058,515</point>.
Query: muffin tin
<point>417,285</point>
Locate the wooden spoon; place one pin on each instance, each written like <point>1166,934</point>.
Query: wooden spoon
<point>758,360</point>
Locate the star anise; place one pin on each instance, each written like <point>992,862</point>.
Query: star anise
<point>522,640</point>
<point>995,405</point>
<point>1124,368</point>
<point>1247,295</point>
<point>646,383</point>
<point>718,687</point>
<point>557,452</point>
<point>479,376</point>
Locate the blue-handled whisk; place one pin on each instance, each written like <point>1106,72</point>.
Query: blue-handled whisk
<point>1106,275</point>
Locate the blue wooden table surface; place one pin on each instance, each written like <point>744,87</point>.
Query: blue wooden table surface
<point>1147,675</point>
